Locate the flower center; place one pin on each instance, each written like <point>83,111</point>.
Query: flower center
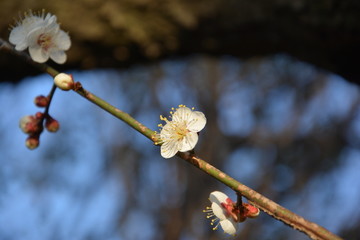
<point>44,41</point>
<point>180,130</point>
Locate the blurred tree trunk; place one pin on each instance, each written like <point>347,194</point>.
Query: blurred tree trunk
<point>325,33</point>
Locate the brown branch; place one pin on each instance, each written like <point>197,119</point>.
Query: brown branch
<point>313,230</point>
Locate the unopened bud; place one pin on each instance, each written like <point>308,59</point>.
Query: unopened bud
<point>51,124</point>
<point>64,81</point>
<point>250,210</point>
<point>39,115</point>
<point>32,142</point>
<point>24,121</point>
<point>41,101</point>
<point>29,125</point>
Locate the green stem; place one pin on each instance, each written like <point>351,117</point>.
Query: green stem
<point>116,112</point>
<point>313,230</point>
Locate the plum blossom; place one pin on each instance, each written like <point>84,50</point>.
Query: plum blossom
<point>181,132</point>
<point>222,212</point>
<point>42,35</point>
<point>227,214</point>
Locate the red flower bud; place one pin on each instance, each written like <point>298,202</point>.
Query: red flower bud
<point>39,115</point>
<point>30,125</point>
<point>51,124</point>
<point>41,101</point>
<point>250,210</point>
<point>32,142</point>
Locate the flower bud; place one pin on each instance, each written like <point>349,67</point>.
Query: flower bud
<point>24,121</point>
<point>29,125</point>
<point>41,101</point>
<point>64,81</point>
<point>51,124</point>
<point>39,115</point>
<point>250,210</point>
<point>32,142</point>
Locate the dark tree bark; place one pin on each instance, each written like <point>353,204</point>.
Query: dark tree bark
<point>116,34</point>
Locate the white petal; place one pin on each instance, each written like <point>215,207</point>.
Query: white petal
<point>167,131</point>
<point>18,38</point>
<point>21,45</point>
<point>218,197</point>
<point>52,28</point>
<point>228,226</point>
<point>62,40</point>
<point>168,149</point>
<point>197,121</point>
<point>218,211</point>
<point>32,22</point>
<point>58,56</point>
<point>188,142</point>
<point>48,16</point>
<point>181,114</point>
<point>50,21</point>
<point>33,36</point>
<point>17,35</point>
<point>38,55</point>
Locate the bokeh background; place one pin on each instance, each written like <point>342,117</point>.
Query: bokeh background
<point>286,127</point>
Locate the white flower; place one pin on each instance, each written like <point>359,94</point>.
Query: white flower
<point>222,212</point>
<point>181,133</point>
<point>42,35</point>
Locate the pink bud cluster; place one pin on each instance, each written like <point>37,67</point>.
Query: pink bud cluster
<point>33,125</point>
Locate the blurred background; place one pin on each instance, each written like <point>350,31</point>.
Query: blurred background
<point>278,83</point>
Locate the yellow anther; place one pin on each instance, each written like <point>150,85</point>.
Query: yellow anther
<point>163,118</point>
